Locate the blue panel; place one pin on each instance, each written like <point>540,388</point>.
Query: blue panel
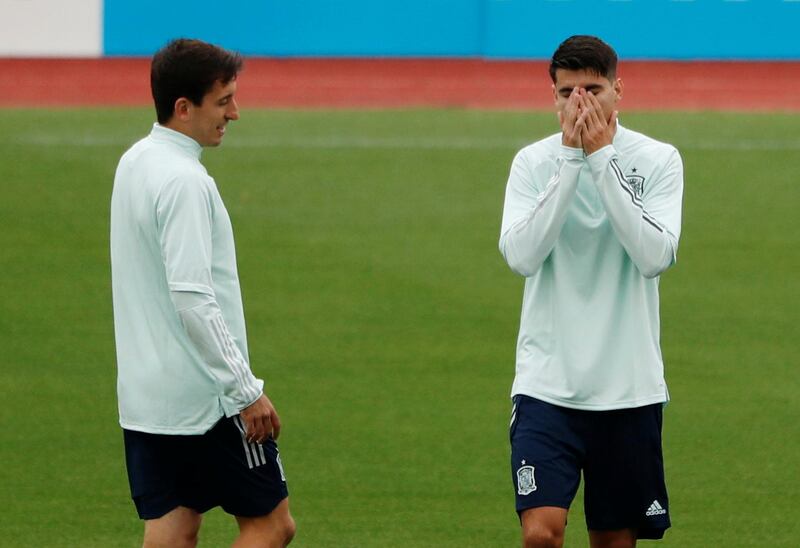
<point>368,27</point>
<point>651,29</point>
<point>643,29</point>
<point>142,27</point>
<point>299,28</point>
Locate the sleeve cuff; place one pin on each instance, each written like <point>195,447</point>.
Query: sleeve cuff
<point>599,157</point>
<point>232,405</point>
<point>190,287</point>
<point>570,153</point>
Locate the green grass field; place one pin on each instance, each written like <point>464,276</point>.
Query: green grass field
<point>384,320</point>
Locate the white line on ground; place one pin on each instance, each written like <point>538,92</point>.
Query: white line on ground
<point>389,143</point>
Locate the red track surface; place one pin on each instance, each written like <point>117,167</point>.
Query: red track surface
<point>391,83</point>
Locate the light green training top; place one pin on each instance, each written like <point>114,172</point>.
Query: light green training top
<point>180,333</point>
<point>591,236</point>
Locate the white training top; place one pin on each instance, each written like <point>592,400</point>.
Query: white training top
<point>591,235</point>
<point>180,333</point>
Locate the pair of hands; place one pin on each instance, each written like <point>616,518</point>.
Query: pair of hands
<point>583,123</point>
<point>261,420</point>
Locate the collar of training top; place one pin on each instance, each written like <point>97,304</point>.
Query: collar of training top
<point>618,135</point>
<point>185,142</point>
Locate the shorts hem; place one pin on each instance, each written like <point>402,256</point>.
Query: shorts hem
<point>651,534</point>
<point>655,532</point>
<point>157,514</point>
<point>146,516</point>
<point>264,511</point>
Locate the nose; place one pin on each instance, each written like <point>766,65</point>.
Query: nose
<point>233,110</point>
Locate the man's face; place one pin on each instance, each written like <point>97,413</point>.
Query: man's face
<point>208,121</point>
<point>606,91</point>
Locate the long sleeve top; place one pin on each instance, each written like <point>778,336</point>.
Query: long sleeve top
<point>181,343</point>
<point>591,235</point>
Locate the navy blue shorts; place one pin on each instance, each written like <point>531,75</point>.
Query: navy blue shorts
<point>218,468</point>
<point>619,453</point>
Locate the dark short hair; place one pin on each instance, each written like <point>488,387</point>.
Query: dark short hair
<point>582,52</point>
<point>188,68</point>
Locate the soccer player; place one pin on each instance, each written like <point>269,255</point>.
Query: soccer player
<point>199,432</point>
<point>591,219</point>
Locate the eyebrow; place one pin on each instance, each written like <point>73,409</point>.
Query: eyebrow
<point>568,89</point>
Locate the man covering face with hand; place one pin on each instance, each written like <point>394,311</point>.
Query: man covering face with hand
<point>591,219</point>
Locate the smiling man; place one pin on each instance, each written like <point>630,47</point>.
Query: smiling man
<point>199,431</point>
<point>591,219</point>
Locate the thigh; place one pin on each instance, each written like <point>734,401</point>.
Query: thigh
<point>624,473</point>
<point>177,528</point>
<point>546,454</point>
<point>248,477</point>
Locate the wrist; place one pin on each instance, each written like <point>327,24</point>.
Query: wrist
<point>250,404</point>
<point>599,151</point>
<point>571,143</point>
<point>592,148</point>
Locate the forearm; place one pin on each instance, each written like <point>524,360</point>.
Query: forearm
<point>209,334</point>
<point>647,239</point>
<point>528,239</point>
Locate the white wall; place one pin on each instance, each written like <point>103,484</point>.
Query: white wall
<point>51,28</point>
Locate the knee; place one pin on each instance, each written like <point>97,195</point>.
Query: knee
<point>179,540</point>
<point>281,532</point>
<point>288,530</point>
<point>191,539</point>
<point>540,536</point>
<point>274,533</point>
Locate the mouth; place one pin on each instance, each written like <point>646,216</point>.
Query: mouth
<point>221,130</point>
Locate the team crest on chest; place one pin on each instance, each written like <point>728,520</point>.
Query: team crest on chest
<point>636,182</point>
<point>526,483</point>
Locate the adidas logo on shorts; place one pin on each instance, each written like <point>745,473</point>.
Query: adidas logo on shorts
<point>655,510</point>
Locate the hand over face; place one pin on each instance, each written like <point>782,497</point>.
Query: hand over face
<point>586,103</point>
<point>571,121</point>
<point>596,131</point>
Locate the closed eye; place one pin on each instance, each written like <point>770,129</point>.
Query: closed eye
<point>565,92</point>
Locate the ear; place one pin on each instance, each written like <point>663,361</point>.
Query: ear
<point>619,87</point>
<point>555,96</point>
<point>183,109</point>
